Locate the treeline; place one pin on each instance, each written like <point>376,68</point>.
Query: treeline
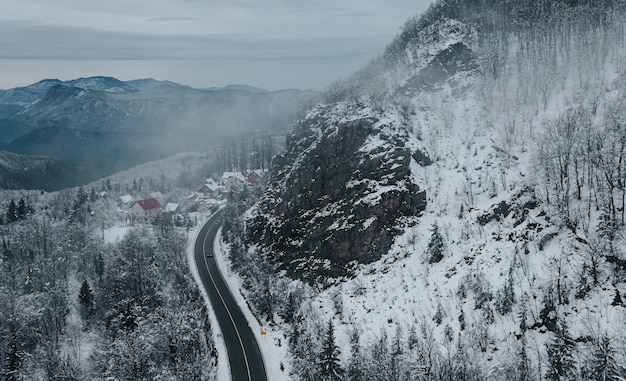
<point>493,30</point>
<point>75,308</point>
<point>244,153</point>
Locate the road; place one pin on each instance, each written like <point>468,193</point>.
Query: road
<point>244,355</point>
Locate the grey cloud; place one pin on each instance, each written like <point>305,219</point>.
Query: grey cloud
<point>168,19</point>
<point>27,41</point>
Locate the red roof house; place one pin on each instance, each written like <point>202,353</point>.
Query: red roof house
<point>145,208</point>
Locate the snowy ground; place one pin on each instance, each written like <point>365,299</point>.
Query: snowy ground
<point>115,233</point>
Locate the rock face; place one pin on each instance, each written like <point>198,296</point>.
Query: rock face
<point>339,192</point>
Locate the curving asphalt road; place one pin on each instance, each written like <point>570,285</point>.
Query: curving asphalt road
<point>244,355</point>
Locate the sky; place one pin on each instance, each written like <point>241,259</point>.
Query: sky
<point>272,44</point>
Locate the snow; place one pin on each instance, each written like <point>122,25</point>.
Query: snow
<point>469,142</point>
<point>171,207</point>
<point>115,233</point>
<point>126,199</point>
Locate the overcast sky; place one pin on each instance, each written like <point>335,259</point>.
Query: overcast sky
<point>272,44</point>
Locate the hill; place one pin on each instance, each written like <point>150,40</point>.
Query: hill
<point>108,125</point>
<point>459,200</point>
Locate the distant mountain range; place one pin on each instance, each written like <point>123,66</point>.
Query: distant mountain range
<point>102,124</point>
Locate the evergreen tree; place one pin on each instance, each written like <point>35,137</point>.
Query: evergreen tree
<point>523,362</point>
<point>330,369</point>
<point>435,249</point>
<point>548,312</point>
<point>7,254</point>
<point>355,370</point>
<point>601,365</point>
<point>560,359</point>
<point>21,210</point>
<point>86,298</point>
<point>99,265</point>
<point>12,212</point>
<point>506,296</point>
<point>13,357</point>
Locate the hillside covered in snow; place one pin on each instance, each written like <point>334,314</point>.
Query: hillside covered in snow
<point>455,209</point>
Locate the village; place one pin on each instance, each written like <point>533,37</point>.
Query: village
<point>210,195</point>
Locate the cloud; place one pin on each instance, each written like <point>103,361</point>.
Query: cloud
<point>271,44</point>
<point>32,41</point>
<point>169,19</point>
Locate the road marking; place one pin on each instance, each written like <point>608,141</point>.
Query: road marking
<point>206,264</point>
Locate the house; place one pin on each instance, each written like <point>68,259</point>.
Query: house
<point>210,189</point>
<point>127,199</point>
<point>145,208</point>
<point>233,182</point>
<point>253,178</point>
<point>171,207</point>
<point>237,176</point>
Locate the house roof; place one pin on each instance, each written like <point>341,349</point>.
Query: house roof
<point>171,207</point>
<point>127,198</point>
<point>148,204</point>
<point>209,186</point>
<point>233,175</point>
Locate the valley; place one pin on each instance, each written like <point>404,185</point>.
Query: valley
<point>455,209</point>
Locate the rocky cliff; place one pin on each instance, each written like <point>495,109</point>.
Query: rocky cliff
<point>340,192</point>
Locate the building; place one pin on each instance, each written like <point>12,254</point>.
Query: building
<point>171,207</point>
<point>127,199</point>
<point>233,182</point>
<point>210,189</point>
<point>145,208</point>
<point>253,178</point>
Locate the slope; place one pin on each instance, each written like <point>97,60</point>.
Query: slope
<point>520,108</point>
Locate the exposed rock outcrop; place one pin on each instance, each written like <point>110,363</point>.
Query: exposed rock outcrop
<point>339,193</point>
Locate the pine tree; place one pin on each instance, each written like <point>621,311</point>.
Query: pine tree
<point>7,254</point>
<point>559,349</point>
<point>12,212</point>
<point>99,265</point>
<point>13,358</point>
<point>523,362</point>
<point>435,249</point>
<point>86,298</point>
<point>506,296</point>
<point>355,370</point>
<point>330,369</point>
<point>21,209</point>
<point>601,365</point>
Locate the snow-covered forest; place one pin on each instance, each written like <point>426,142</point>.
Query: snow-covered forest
<point>515,269</point>
<point>479,163</point>
<point>77,306</point>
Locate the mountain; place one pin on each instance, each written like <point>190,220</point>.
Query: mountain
<point>12,129</point>
<point>73,107</point>
<point>456,206</point>
<point>28,94</point>
<point>238,87</point>
<point>148,83</point>
<point>128,123</point>
<point>108,84</point>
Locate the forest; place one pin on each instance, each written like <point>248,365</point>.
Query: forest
<point>76,307</point>
<point>516,272</point>
<point>544,89</point>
